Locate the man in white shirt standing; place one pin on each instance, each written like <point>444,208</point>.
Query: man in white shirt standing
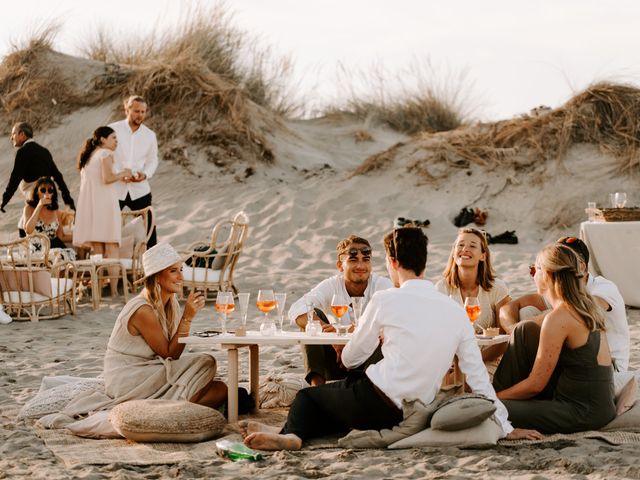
<point>423,330</point>
<point>138,151</point>
<point>354,279</point>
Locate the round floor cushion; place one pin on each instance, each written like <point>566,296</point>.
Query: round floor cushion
<point>166,421</point>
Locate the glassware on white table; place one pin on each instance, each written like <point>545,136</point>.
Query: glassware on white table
<point>357,304</point>
<point>224,305</point>
<point>243,303</point>
<point>340,306</point>
<point>612,200</point>
<point>591,211</point>
<point>620,199</point>
<point>281,300</point>
<point>312,327</point>
<point>266,302</point>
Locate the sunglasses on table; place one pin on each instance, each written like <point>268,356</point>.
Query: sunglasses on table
<point>45,190</point>
<point>353,252</point>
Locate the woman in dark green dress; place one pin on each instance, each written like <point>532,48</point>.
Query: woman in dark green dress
<point>556,376</point>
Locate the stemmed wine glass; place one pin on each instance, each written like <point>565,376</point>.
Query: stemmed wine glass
<point>472,306</point>
<point>281,299</point>
<point>266,302</point>
<point>224,305</point>
<point>339,307</point>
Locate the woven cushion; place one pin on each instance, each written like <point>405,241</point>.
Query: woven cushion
<point>457,413</point>
<point>487,433</point>
<point>55,399</point>
<point>279,390</point>
<point>166,421</point>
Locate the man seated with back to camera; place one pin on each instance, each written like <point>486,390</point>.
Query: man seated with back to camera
<point>355,279</point>
<point>603,291</point>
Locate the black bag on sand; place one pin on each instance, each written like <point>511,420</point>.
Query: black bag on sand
<point>508,237</point>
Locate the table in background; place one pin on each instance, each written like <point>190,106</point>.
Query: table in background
<point>253,340</point>
<point>614,249</point>
<point>96,271</point>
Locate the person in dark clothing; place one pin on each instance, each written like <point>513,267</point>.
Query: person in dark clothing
<point>557,377</point>
<point>32,162</point>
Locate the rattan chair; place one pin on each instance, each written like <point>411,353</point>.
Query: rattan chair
<point>141,235</point>
<point>31,288</point>
<point>209,266</point>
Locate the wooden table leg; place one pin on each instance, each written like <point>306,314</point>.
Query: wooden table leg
<point>95,287</point>
<point>254,374</point>
<point>232,387</point>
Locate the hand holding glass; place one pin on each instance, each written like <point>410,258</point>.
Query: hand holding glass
<point>472,306</point>
<point>224,305</point>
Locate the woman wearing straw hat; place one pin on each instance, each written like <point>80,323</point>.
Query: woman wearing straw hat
<point>144,358</point>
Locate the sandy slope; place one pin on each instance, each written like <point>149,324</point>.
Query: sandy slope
<point>299,208</point>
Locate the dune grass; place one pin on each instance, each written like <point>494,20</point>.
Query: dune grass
<point>31,87</point>
<point>606,115</point>
<point>410,101</point>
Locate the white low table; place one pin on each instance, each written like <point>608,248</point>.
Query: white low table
<point>253,340</point>
<point>614,249</point>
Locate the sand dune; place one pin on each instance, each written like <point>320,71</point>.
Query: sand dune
<point>299,208</point>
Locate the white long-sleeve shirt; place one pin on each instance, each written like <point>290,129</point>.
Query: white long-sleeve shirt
<point>138,151</point>
<point>324,291</point>
<point>423,330</point>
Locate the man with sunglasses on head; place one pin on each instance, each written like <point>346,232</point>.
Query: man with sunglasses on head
<point>354,279</point>
<point>606,294</point>
<point>32,162</point>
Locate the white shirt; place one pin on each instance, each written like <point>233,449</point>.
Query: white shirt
<point>423,330</point>
<point>138,151</point>
<point>324,291</point>
<point>617,328</point>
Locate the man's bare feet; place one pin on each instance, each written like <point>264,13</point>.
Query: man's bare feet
<point>248,427</point>
<point>273,441</point>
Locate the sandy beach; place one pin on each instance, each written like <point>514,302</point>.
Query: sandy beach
<point>299,207</point>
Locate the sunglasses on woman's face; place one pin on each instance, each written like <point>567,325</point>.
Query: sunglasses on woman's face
<point>532,270</point>
<point>46,190</point>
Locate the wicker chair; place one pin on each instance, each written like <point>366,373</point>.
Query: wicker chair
<point>140,236</point>
<point>30,288</point>
<point>209,266</point>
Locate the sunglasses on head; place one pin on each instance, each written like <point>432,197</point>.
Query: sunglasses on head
<point>45,189</point>
<point>567,240</point>
<point>353,251</point>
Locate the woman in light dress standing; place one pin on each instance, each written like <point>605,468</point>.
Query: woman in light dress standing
<point>98,222</point>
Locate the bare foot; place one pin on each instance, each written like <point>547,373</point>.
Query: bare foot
<point>273,441</point>
<point>248,427</point>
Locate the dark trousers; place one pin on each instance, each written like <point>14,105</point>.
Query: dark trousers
<point>137,204</point>
<point>322,359</point>
<point>517,362</point>
<point>340,406</point>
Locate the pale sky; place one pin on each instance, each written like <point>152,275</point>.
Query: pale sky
<point>516,55</point>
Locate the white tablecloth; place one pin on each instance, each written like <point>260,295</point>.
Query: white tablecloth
<point>615,254</point>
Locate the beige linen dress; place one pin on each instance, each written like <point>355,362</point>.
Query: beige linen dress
<point>132,370</point>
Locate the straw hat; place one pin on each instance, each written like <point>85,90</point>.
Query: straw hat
<point>157,258</point>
